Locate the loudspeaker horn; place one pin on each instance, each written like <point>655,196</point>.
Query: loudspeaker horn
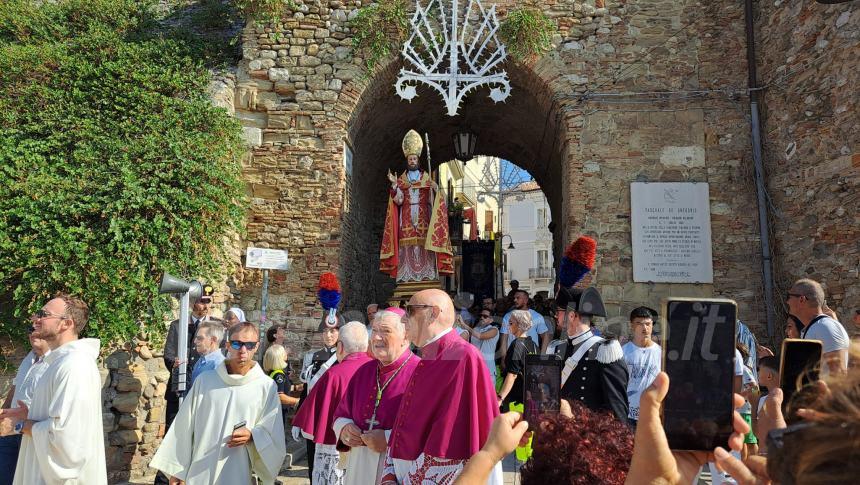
<point>173,285</point>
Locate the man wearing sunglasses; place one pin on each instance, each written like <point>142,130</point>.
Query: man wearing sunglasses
<point>63,440</point>
<point>805,300</point>
<point>449,402</point>
<point>229,425</point>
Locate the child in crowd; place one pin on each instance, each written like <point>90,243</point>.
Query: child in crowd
<point>768,377</point>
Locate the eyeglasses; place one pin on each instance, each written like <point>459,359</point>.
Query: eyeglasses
<point>238,344</point>
<point>484,315</point>
<point>40,314</point>
<point>788,296</point>
<point>411,309</point>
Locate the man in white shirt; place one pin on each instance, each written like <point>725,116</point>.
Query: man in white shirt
<point>29,373</point>
<point>230,425</point>
<point>806,301</point>
<point>63,440</point>
<point>539,331</point>
<point>643,357</point>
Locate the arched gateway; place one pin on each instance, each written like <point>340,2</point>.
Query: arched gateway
<point>324,133</point>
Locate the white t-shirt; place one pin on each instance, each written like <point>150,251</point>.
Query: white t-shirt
<point>538,327</point>
<point>831,333</point>
<point>29,373</point>
<point>488,346</point>
<point>747,380</point>
<point>643,364</point>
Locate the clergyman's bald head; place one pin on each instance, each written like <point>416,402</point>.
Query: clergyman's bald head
<point>440,300</point>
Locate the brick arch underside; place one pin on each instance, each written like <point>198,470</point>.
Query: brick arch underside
<point>524,129</point>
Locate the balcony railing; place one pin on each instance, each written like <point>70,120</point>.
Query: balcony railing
<point>541,273</point>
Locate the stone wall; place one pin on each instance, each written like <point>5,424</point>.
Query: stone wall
<point>303,95</point>
<point>809,61</point>
<point>696,130</point>
<point>134,383</point>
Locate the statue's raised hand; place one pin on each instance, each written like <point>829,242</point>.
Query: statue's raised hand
<point>391,177</point>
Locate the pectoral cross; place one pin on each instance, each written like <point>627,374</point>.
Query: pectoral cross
<point>372,421</point>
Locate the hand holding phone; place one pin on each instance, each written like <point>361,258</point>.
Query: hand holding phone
<point>241,435</point>
<point>542,389</point>
<point>698,356</point>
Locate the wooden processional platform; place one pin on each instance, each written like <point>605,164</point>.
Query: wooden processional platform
<point>404,291</point>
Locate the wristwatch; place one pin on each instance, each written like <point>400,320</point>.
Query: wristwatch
<point>19,427</point>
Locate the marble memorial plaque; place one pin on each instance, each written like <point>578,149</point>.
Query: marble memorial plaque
<point>671,232</point>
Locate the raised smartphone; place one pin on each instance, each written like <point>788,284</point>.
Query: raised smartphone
<point>698,355</point>
<point>542,389</point>
<point>799,363</point>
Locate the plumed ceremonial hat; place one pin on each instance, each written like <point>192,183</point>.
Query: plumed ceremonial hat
<point>585,301</point>
<point>412,144</point>
<point>328,318</point>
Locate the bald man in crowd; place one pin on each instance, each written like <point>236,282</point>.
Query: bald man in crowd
<point>449,402</point>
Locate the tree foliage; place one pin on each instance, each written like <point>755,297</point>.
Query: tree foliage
<point>114,164</point>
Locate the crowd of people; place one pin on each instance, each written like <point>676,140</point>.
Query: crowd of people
<point>432,393</point>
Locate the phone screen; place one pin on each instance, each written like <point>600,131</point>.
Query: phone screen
<point>698,356</point>
<point>542,386</point>
<point>799,359</point>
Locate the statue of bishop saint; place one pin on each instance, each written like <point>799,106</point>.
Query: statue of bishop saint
<point>415,244</point>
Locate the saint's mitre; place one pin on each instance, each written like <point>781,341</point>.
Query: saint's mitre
<point>412,144</point>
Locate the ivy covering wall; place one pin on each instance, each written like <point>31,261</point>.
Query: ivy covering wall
<point>114,165</point>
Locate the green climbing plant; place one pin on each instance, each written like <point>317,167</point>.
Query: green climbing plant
<point>114,163</point>
<point>378,29</point>
<point>527,32</point>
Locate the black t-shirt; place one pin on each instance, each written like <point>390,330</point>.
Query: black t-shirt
<point>515,363</point>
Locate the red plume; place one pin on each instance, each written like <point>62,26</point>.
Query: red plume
<point>582,251</point>
<point>328,281</point>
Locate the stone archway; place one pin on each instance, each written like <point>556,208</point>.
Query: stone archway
<point>524,130</point>
<point>617,99</point>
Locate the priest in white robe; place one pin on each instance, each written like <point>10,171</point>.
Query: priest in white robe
<point>63,441</point>
<point>229,425</point>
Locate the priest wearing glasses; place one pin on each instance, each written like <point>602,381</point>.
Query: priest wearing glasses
<point>449,402</point>
<point>365,416</point>
<point>229,426</point>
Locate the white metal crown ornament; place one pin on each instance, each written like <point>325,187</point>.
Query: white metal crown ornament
<point>453,56</point>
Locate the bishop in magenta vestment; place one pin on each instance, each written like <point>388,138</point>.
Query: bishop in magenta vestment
<point>445,414</point>
<point>357,407</point>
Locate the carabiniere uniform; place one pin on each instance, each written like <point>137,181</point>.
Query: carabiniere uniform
<point>594,371</point>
